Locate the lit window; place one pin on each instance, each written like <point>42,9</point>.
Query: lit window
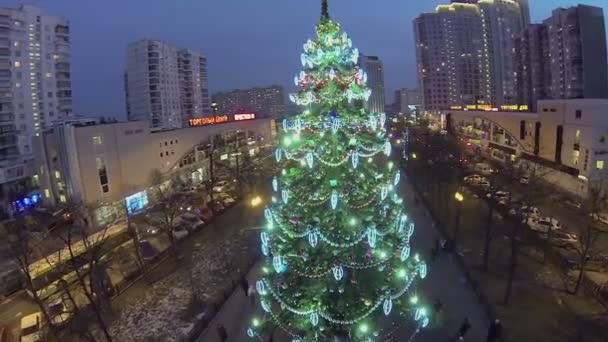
<point>47,193</point>
<point>98,140</point>
<point>62,198</point>
<point>49,75</point>
<point>57,174</point>
<point>599,164</point>
<point>17,64</point>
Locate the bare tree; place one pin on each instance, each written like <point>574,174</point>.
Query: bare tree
<point>587,248</point>
<point>19,233</point>
<point>169,206</point>
<point>86,250</point>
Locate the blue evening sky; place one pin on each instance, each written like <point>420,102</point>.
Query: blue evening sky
<point>248,42</point>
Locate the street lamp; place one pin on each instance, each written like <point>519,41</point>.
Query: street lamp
<point>459,197</point>
<point>414,156</point>
<point>255,201</point>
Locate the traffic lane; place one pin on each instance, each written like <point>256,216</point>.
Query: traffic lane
<point>13,308</point>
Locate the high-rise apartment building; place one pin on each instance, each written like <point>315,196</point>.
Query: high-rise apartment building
<point>35,88</point>
<point>374,68</point>
<point>564,57</point>
<point>501,22</point>
<point>165,85</point>
<point>448,45</point>
<point>265,102</point>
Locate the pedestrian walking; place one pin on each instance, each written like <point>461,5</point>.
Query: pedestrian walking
<point>251,295</point>
<point>495,331</point>
<point>464,328</point>
<point>244,285</point>
<point>221,332</point>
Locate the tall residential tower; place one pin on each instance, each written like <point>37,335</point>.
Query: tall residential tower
<point>165,85</point>
<point>374,68</point>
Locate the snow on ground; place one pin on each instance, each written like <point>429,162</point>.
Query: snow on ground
<point>159,315</point>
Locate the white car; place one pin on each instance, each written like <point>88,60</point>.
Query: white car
<point>600,217</point>
<point>562,239</point>
<point>501,197</point>
<point>226,199</point>
<point>179,233</point>
<point>31,326</point>
<point>473,179</point>
<point>221,186</point>
<point>543,224</point>
<point>532,212</point>
<point>190,221</point>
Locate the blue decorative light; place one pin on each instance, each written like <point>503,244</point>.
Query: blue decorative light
<point>264,238</point>
<point>278,154</point>
<point>265,306</point>
<point>383,192</point>
<point>309,159</point>
<point>405,252</point>
<point>338,272</point>
<point>278,263</point>
<point>422,269</point>
<point>418,314</point>
<point>401,223</point>
<point>334,199</point>
<point>355,159</point>
<point>265,250</point>
<point>313,239</point>
<point>260,286</point>
<point>425,322</point>
<point>388,305</point>
<point>387,148</point>
<point>285,195</point>
<point>285,124</point>
<point>303,59</point>
<point>250,332</point>
<point>314,319</point>
<point>298,125</point>
<point>373,122</point>
<point>397,178</point>
<point>382,119</point>
<point>335,125</point>
<point>275,184</point>
<point>410,230</point>
<point>268,214</point>
<point>372,236</point>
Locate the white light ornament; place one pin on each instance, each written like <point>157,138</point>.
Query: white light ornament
<point>364,78</point>
<point>420,312</point>
<point>268,214</point>
<point>265,250</point>
<point>260,286</point>
<point>298,125</point>
<point>275,184</point>
<point>338,272</point>
<point>405,252</point>
<point>410,230</point>
<point>382,119</point>
<point>401,223</point>
<point>265,306</point>
<point>264,238</point>
<point>250,332</point>
<point>355,55</point>
<point>310,159</point>
<point>396,178</point>
<point>313,239</point>
<point>425,322</point>
<point>303,59</point>
<point>384,192</point>
<point>422,269</point>
<point>285,124</point>
<point>285,195</point>
<point>388,305</point>
<point>278,263</point>
<point>387,148</point>
<point>372,236</point>
<point>334,199</point>
<point>335,125</point>
<point>355,159</point>
<point>278,153</point>
<point>349,42</point>
<point>296,81</point>
<point>373,122</point>
<point>332,74</point>
<point>314,319</point>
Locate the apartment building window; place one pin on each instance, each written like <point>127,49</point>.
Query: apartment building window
<point>103,174</point>
<point>47,193</point>
<point>17,64</point>
<point>97,140</point>
<point>577,140</point>
<point>57,174</point>
<point>599,164</point>
<point>578,114</point>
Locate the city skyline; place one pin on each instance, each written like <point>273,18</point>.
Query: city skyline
<point>100,35</point>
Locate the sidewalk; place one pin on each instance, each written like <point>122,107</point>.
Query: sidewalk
<point>443,282</point>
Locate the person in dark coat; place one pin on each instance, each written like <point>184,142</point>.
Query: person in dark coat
<point>221,332</point>
<point>495,331</point>
<point>464,327</point>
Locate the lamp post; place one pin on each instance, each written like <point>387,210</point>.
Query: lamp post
<point>459,197</point>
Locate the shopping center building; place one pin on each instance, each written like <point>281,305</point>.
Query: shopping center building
<point>566,140</point>
<point>108,165</point>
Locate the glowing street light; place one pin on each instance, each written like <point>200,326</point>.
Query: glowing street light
<point>458,196</point>
<point>255,201</point>
<point>413,155</point>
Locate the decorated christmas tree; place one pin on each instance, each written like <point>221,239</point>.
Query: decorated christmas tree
<point>336,236</point>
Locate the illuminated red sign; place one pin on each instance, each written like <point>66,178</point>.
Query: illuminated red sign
<point>242,117</point>
<point>211,120</point>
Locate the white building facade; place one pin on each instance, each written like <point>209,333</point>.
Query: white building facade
<point>165,85</point>
<point>374,68</point>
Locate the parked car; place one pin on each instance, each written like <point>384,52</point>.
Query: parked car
<point>484,184</point>
<point>483,168</point>
<point>532,212</point>
<point>128,266</point>
<point>600,217</point>
<point>227,200</point>
<point>473,179</point>
<point>31,326</point>
<point>221,186</point>
<point>218,206</point>
<point>179,232</point>
<point>524,180</point>
<point>501,197</point>
<point>190,221</point>
<point>561,239</point>
<point>543,224</point>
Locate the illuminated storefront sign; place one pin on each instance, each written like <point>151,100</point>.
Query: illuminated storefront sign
<point>136,202</point>
<point>211,120</point>
<point>27,202</point>
<point>489,108</point>
<point>243,117</point>
<point>218,119</point>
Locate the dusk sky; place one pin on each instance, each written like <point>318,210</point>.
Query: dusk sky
<point>247,42</point>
